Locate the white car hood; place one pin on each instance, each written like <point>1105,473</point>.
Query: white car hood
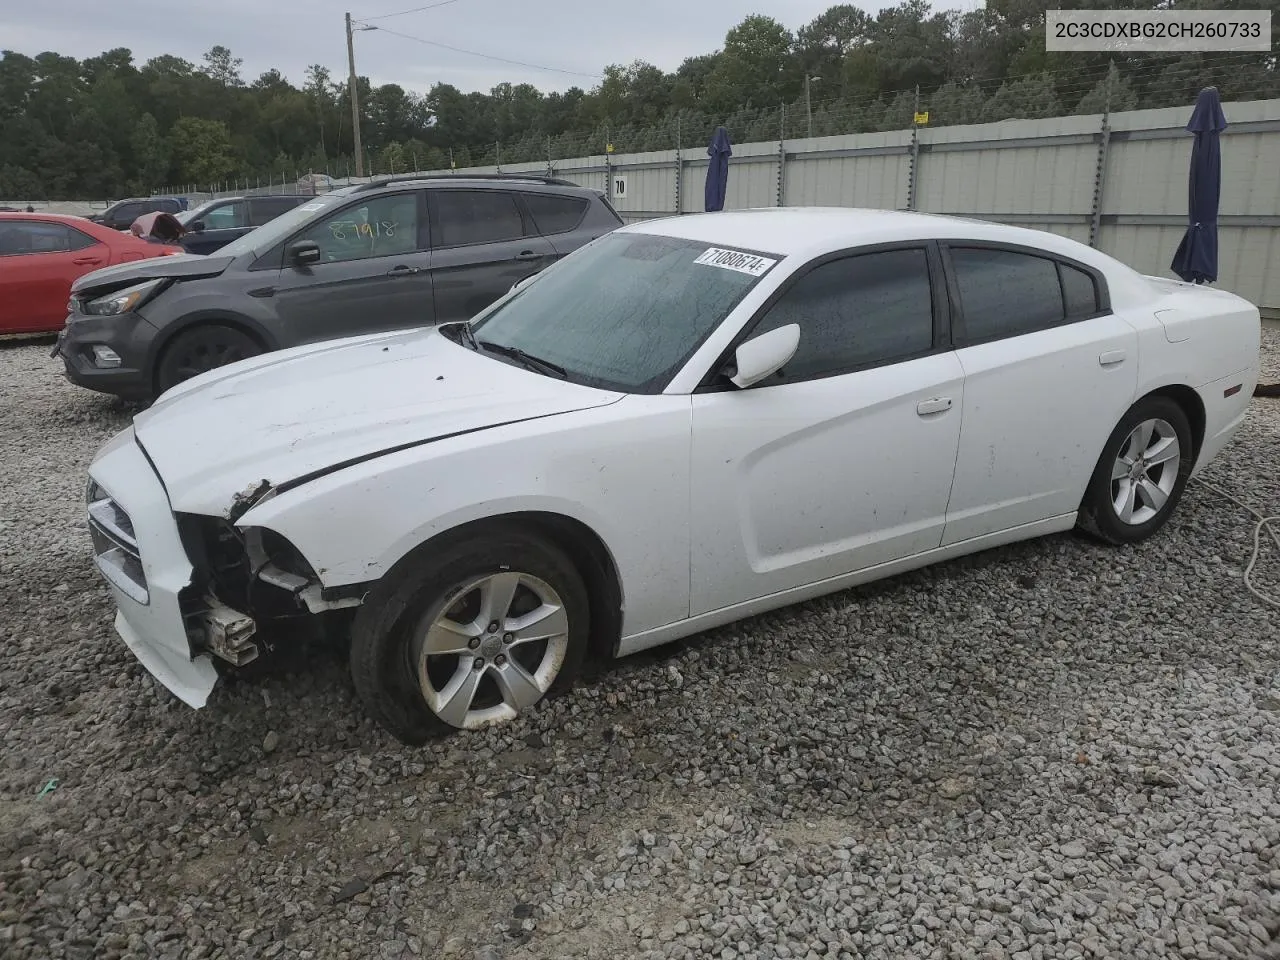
<point>291,413</point>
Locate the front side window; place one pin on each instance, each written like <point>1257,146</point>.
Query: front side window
<point>626,311</point>
<point>465,217</point>
<point>1004,293</point>
<point>858,311</point>
<point>382,226</point>
<point>227,216</point>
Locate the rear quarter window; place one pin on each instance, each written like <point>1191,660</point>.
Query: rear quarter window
<point>553,214</point>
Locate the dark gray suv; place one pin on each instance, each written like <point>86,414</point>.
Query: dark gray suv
<point>394,252</point>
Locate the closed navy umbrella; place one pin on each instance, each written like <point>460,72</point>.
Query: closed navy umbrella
<point>1196,260</point>
<point>718,170</point>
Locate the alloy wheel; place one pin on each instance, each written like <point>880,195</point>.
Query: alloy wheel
<point>1145,471</point>
<point>490,648</point>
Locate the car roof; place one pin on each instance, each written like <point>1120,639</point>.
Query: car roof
<point>70,218</point>
<point>533,181</point>
<point>811,231</point>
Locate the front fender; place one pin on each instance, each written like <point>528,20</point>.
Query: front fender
<point>621,470</point>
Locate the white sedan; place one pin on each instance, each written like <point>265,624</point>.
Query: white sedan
<point>689,421</point>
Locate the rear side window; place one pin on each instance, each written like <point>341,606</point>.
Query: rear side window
<point>553,214</point>
<point>1079,291</point>
<point>20,239</point>
<point>1005,294</point>
<point>475,216</point>
<point>264,209</point>
<point>168,205</point>
<point>128,211</point>
<point>858,311</point>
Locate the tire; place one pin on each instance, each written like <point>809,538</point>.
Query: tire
<point>406,690</point>
<point>201,349</point>
<point>1123,502</point>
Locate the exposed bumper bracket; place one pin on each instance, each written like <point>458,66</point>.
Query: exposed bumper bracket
<point>227,633</point>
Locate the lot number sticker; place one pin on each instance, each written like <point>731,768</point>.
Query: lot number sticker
<point>747,263</point>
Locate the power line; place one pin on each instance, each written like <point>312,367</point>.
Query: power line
<point>487,56</point>
<point>429,6</point>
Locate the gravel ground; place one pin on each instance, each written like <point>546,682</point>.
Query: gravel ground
<point>1050,750</point>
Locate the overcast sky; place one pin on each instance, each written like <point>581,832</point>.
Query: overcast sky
<point>572,36</point>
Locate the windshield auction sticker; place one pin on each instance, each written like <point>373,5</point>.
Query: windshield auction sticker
<point>747,263</point>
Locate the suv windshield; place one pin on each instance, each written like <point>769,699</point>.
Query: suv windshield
<point>273,231</point>
<point>623,312</point>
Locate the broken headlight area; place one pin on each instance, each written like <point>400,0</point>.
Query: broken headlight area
<point>250,588</point>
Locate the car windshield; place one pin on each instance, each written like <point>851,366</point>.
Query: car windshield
<point>623,312</point>
<point>273,231</point>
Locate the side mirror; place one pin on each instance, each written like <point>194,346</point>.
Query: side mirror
<point>765,355</point>
<point>303,253</point>
<point>196,225</point>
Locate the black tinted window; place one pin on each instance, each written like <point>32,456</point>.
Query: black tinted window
<point>1080,293</point>
<point>168,206</point>
<point>866,309</point>
<point>18,239</point>
<point>263,209</point>
<point>128,211</point>
<point>552,214</point>
<point>476,216</point>
<point>1004,294</point>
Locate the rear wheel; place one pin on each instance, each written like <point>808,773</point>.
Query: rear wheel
<point>201,349</point>
<point>1141,474</point>
<point>468,636</point>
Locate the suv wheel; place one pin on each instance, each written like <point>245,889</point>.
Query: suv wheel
<point>201,349</point>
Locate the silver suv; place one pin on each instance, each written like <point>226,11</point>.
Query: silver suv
<point>391,253</point>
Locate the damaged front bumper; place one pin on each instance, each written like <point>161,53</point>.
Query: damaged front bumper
<point>171,576</point>
<point>140,554</point>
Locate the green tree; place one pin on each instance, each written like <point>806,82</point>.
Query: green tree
<point>150,154</point>
<point>202,150</point>
<point>1025,99</point>
<point>221,67</point>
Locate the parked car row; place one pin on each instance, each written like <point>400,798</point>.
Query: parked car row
<point>37,284</point>
<point>388,254</point>
<point>681,423</point>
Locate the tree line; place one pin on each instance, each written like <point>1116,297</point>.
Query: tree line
<point>107,127</point>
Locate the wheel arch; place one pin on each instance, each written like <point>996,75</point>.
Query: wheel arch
<point>201,318</point>
<point>1192,405</point>
<point>580,543</point>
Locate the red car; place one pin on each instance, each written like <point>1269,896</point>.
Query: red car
<point>42,253</point>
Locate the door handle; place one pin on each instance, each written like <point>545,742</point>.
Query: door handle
<point>1110,358</point>
<point>933,405</point>
<point>402,270</point>
<point>528,255</point>
<point>82,261</point>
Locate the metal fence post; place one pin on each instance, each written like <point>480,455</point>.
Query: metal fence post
<point>679,170</point>
<point>1100,174</point>
<point>913,166</point>
<point>782,155</point>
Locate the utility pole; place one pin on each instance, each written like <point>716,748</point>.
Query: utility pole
<point>808,101</point>
<point>353,91</point>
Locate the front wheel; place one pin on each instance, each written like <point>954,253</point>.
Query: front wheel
<point>468,636</point>
<point>1141,474</point>
<point>201,349</point>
